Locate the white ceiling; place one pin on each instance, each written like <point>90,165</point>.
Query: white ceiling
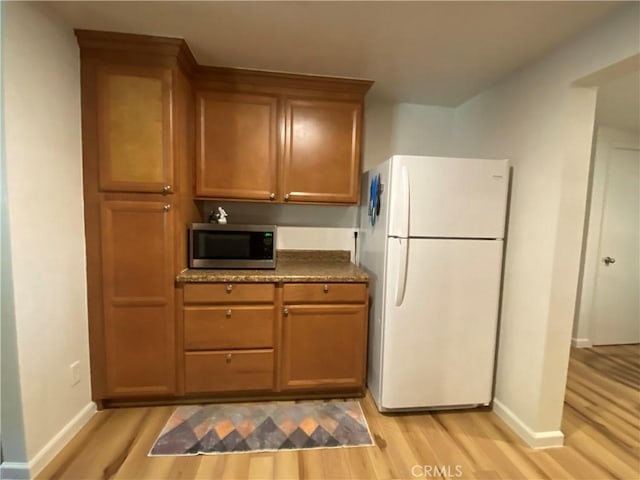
<point>437,53</point>
<point>619,103</point>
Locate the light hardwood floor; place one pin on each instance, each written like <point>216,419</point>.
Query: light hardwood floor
<point>601,425</point>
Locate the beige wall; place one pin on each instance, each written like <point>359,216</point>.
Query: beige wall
<point>12,428</point>
<point>544,125</point>
<point>404,129</point>
<point>41,81</point>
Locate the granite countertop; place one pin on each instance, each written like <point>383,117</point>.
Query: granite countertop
<point>291,266</point>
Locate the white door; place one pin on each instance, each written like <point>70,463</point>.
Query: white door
<point>448,197</point>
<point>440,322</point>
<point>616,318</point>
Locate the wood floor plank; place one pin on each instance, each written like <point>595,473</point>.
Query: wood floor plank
<point>452,423</point>
<point>604,451</point>
<point>576,465</point>
<point>261,466</point>
<point>518,465</point>
<point>397,448</point>
<point>600,423</point>
<point>211,466</point>
<point>447,451</point>
<point>286,465</point>
<point>311,464</point>
<point>235,466</point>
<point>359,465</point>
<point>336,463</point>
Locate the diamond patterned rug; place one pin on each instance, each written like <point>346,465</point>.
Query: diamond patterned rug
<point>215,429</point>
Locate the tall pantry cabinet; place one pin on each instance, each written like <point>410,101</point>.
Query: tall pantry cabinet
<point>159,134</point>
<point>137,124</point>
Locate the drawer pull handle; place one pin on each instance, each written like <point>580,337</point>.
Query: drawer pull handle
<point>326,288</point>
<point>228,358</point>
<point>229,288</point>
<point>285,311</point>
<point>228,313</point>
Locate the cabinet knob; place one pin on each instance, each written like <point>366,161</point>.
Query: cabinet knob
<point>166,189</point>
<point>286,196</point>
<point>228,313</point>
<point>166,207</point>
<point>285,311</point>
<point>229,288</point>
<point>272,196</point>
<point>228,358</point>
<point>325,288</point>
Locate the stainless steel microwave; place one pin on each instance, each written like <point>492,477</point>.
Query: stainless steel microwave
<point>213,245</point>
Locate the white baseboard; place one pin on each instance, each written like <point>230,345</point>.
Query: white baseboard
<point>57,443</point>
<point>14,471</point>
<point>581,343</point>
<point>549,439</point>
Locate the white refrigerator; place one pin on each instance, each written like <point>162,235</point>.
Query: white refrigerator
<point>434,256</point>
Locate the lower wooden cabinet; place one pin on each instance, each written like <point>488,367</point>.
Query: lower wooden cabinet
<point>323,347</point>
<point>267,339</point>
<point>138,297</point>
<point>229,337</point>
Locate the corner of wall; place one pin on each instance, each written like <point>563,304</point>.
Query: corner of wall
<point>37,44</point>
<point>535,439</point>
<point>14,455</point>
<point>57,443</point>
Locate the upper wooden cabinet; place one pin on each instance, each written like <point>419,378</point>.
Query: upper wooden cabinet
<point>321,151</point>
<point>137,113</point>
<point>237,149</point>
<point>278,137</point>
<point>135,151</point>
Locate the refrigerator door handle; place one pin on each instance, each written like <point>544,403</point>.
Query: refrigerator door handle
<point>406,202</point>
<point>401,281</point>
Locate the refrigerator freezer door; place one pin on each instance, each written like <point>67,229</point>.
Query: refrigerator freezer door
<point>439,344</point>
<point>448,197</point>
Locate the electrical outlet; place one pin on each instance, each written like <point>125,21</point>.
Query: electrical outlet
<point>75,373</point>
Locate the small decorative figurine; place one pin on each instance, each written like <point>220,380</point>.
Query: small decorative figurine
<point>221,216</point>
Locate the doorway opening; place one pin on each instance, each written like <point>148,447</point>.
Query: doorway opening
<point>604,366</point>
<point>609,304</point>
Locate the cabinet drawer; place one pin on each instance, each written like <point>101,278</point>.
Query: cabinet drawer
<point>228,293</point>
<point>228,371</point>
<point>210,328</point>
<point>324,293</point>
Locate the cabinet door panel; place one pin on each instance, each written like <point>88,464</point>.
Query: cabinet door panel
<point>137,344</point>
<point>323,347</point>
<point>236,146</point>
<point>322,151</point>
<point>134,129</point>
<point>137,260</point>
